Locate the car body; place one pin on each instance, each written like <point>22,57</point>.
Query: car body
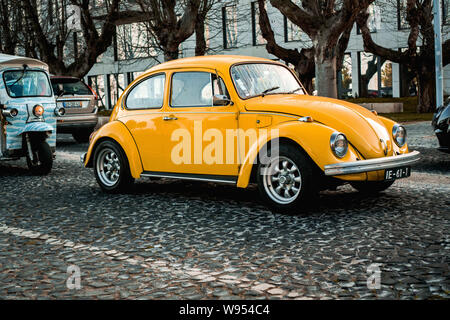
<point>27,113</point>
<point>80,104</point>
<point>441,124</point>
<point>290,143</point>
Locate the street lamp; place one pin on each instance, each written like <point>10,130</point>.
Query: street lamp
<point>438,53</point>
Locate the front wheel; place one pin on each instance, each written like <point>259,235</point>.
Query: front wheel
<point>285,183</point>
<point>371,186</point>
<point>42,161</point>
<point>111,168</point>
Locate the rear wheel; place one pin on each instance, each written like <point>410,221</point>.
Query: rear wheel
<point>111,168</point>
<point>285,182</point>
<point>42,161</point>
<point>82,136</point>
<point>371,186</point>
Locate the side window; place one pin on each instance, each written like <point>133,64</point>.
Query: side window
<point>196,89</point>
<point>148,94</point>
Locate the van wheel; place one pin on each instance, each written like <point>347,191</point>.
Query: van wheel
<point>285,182</point>
<point>111,168</point>
<point>371,186</point>
<point>42,161</point>
<point>82,136</point>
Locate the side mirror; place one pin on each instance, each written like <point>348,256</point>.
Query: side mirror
<point>221,100</point>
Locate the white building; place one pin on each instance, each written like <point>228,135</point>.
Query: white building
<point>232,28</point>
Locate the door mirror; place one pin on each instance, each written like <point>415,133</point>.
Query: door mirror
<point>221,100</point>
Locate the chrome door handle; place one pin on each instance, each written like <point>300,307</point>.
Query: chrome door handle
<point>170,118</point>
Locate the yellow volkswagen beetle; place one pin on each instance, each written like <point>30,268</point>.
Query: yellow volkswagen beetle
<point>239,120</point>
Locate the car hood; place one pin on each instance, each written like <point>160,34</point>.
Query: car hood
<point>362,128</point>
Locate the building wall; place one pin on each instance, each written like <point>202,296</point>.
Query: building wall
<point>384,20</point>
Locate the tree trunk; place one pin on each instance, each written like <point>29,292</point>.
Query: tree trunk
<point>325,61</point>
<point>426,89</point>
<point>200,41</point>
<point>171,54</point>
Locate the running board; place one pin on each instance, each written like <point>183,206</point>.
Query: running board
<point>191,176</point>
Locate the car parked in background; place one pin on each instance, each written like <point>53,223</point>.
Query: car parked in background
<point>441,125</point>
<point>80,103</point>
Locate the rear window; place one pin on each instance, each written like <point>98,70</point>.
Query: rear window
<point>70,87</point>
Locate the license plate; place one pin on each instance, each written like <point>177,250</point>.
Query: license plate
<point>397,173</point>
<point>73,104</point>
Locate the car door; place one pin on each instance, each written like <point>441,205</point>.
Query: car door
<point>144,104</point>
<point>196,128</point>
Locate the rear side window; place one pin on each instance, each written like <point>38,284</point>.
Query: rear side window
<point>196,89</point>
<point>147,94</point>
<point>70,87</point>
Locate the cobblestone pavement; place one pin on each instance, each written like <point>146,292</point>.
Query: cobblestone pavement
<point>187,240</point>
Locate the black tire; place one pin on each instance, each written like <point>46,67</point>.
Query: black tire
<point>122,180</point>
<point>82,136</point>
<point>369,187</point>
<point>42,161</point>
<point>301,179</point>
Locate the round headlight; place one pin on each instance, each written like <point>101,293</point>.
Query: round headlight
<point>399,135</point>
<point>339,144</point>
<point>38,110</point>
<point>60,111</point>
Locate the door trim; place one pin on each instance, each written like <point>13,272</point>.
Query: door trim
<point>191,176</point>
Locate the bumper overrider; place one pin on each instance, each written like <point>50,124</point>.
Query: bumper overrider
<point>361,166</point>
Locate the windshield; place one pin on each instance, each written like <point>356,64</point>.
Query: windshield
<point>70,87</point>
<point>255,79</point>
<point>28,83</point>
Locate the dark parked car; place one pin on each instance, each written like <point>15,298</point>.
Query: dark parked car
<point>80,104</point>
<point>441,124</point>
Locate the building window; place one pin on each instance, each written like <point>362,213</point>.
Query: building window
<point>401,15</point>
<point>373,20</point>
<point>345,78</point>
<point>292,32</point>
<point>116,87</point>
<point>445,12</point>
<point>134,41</point>
<point>258,39</point>
<point>375,77</point>
<point>229,24</point>
<point>98,85</point>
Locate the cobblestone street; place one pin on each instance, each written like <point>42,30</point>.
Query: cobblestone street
<point>170,239</point>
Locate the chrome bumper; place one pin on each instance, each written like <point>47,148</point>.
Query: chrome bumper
<point>338,169</point>
<point>83,158</point>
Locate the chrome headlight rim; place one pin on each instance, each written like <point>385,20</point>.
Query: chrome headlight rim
<point>60,111</point>
<point>395,132</point>
<point>333,139</point>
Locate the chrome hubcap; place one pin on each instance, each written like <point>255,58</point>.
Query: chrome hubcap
<point>108,167</point>
<point>282,180</point>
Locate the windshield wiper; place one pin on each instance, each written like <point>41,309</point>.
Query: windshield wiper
<point>268,90</point>
<point>293,91</point>
<point>21,76</point>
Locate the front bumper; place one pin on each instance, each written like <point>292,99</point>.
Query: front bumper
<point>361,166</point>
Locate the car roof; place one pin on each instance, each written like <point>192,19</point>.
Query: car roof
<point>7,60</point>
<point>221,62</point>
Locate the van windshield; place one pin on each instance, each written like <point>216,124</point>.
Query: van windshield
<point>28,83</point>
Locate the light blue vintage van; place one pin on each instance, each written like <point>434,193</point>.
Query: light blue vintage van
<point>28,113</point>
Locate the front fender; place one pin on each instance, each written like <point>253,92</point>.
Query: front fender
<point>117,131</point>
<point>36,127</point>
<point>312,137</point>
